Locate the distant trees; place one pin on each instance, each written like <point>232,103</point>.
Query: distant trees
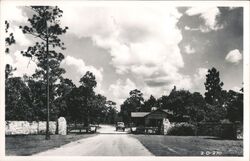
<point>218,104</point>
<point>196,107</point>
<point>213,86</point>
<point>148,104</point>
<point>63,90</point>
<point>234,106</point>
<point>221,104</point>
<point>17,102</point>
<point>131,104</point>
<point>84,105</point>
<point>111,115</point>
<point>184,104</point>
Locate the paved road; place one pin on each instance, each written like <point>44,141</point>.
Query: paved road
<point>108,143</point>
<point>107,129</point>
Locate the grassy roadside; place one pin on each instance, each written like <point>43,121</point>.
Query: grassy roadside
<point>23,145</point>
<point>190,145</point>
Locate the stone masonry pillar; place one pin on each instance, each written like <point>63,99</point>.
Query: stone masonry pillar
<point>62,126</point>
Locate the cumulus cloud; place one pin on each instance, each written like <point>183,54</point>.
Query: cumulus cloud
<point>141,41</point>
<point>138,37</point>
<point>189,49</point>
<point>13,13</point>
<point>200,75</point>
<point>234,56</point>
<point>119,91</point>
<point>208,14</point>
<point>81,68</point>
<point>236,89</point>
<point>20,38</point>
<point>199,78</point>
<point>23,64</point>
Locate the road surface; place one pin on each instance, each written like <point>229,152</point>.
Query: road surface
<point>108,143</point>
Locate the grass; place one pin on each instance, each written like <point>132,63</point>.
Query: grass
<point>160,145</point>
<point>23,145</point>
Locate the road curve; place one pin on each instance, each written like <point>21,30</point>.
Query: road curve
<point>109,143</point>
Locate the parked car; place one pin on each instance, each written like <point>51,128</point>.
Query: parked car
<point>120,126</point>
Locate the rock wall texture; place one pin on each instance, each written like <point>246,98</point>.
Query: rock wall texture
<point>62,126</point>
<point>166,126</point>
<point>34,127</point>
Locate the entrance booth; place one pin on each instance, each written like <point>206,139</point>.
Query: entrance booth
<point>151,122</point>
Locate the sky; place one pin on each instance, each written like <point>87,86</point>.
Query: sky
<point>148,48</point>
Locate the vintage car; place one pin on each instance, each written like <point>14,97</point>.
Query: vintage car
<point>120,126</point>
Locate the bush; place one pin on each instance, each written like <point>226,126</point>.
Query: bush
<point>182,129</point>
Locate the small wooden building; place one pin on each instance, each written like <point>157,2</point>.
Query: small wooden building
<point>151,119</point>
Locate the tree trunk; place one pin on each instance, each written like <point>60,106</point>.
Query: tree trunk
<point>47,74</point>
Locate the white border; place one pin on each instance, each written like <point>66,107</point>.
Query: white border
<point>244,4</point>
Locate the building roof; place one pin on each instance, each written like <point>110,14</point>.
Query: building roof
<point>169,112</point>
<point>143,114</point>
<point>139,114</point>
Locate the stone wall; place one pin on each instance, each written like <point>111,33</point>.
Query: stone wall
<point>166,126</point>
<point>34,127</point>
<point>62,126</point>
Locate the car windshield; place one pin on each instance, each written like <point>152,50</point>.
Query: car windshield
<point>120,123</point>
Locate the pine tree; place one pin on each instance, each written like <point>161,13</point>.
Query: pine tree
<point>213,86</point>
<point>45,25</point>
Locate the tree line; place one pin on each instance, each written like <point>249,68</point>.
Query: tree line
<point>217,105</point>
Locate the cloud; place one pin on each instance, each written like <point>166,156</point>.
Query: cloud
<point>163,86</point>
<point>13,13</point>
<point>209,15</point>
<point>189,49</point>
<point>139,37</point>
<point>142,41</point>
<point>234,56</point>
<point>23,64</point>
<point>119,91</point>
<point>236,89</point>
<point>179,80</point>
<point>20,38</point>
<point>199,78</point>
<point>200,75</point>
<point>81,68</point>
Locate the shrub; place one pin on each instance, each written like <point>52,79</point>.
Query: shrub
<point>182,129</point>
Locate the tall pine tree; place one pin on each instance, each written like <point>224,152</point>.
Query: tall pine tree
<point>213,86</point>
<point>45,26</point>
